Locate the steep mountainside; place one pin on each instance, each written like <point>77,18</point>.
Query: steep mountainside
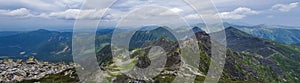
<point>243,42</point>
<point>242,65</point>
<point>284,57</point>
<point>141,37</point>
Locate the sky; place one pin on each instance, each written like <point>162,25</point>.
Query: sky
<point>61,14</point>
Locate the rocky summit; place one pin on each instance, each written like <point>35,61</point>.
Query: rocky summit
<point>31,69</point>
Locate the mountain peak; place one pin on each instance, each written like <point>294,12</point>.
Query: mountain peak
<point>161,28</point>
<point>231,31</point>
<point>196,29</point>
<point>230,28</point>
<point>41,31</point>
<point>147,28</point>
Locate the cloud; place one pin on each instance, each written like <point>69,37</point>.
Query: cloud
<point>73,14</point>
<point>238,13</point>
<point>69,14</point>
<point>176,10</point>
<point>22,12</point>
<point>150,15</point>
<point>69,9</point>
<point>71,4</point>
<point>285,7</point>
<point>192,16</point>
<point>42,5</point>
<point>172,11</point>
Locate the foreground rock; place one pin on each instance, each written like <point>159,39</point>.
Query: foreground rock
<point>18,70</point>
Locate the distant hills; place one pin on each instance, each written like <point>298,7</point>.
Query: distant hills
<point>8,33</point>
<point>282,34</point>
<point>278,33</point>
<point>43,44</point>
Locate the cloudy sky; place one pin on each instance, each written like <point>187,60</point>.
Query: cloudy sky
<point>61,14</point>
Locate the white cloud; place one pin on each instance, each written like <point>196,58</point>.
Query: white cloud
<point>69,14</point>
<point>238,13</point>
<point>19,12</point>
<point>72,14</point>
<point>69,9</point>
<point>176,10</point>
<point>285,7</point>
<point>42,5</point>
<point>68,3</point>
<point>172,11</point>
<point>150,15</point>
<point>192,16</point>
<point>22,12</point>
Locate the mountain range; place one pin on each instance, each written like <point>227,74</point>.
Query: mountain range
<point>278,33</point>
<point>248,58</point>
<point>252,56</point>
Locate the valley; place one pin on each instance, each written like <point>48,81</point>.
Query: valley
<point>249,57</point>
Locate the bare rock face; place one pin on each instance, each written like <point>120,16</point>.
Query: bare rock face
<point>31,60</point>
